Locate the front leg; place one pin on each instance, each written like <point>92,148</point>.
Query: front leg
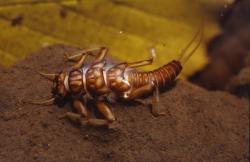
<point>82,116</point>
<point>77,55</point>
<point>80,108</point>
<point>77,118</point>
<point>79,63</point>
<point>101,55</point>
<point>82,55</point>
<point>105,110</point>
<point>82,112</point>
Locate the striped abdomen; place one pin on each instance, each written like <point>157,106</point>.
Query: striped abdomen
<point>161,76</point>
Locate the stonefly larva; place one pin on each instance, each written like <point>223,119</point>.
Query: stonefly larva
<point>100,80</point>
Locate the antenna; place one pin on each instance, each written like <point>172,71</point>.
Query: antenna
<point>184,56</point>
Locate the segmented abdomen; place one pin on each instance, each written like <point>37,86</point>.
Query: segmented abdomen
<point>161,76</point>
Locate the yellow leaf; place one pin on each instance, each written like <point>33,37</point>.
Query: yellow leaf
<point>7,59</point>
<point>129,28</point>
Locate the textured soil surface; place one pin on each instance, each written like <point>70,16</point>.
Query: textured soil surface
<point>198,126</point>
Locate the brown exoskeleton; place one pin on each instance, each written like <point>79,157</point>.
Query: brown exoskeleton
<point>101,79</point>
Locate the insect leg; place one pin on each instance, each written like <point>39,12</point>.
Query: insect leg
<point>80,108</point>
<point>143,62</point>
<point>80,63</point>
<point>105,110</point>
<point>140,63</point>
<point>76,57</point>
<point>74,117</point>
<point>77,118</point>
<point>144,91</point>
<point>81,112</point>
<point>95,122</point>
<point>155,103</point>
<point>140,92</point>
<point>101,55</point>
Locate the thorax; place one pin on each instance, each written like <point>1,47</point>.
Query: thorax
<point>96,83</point>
